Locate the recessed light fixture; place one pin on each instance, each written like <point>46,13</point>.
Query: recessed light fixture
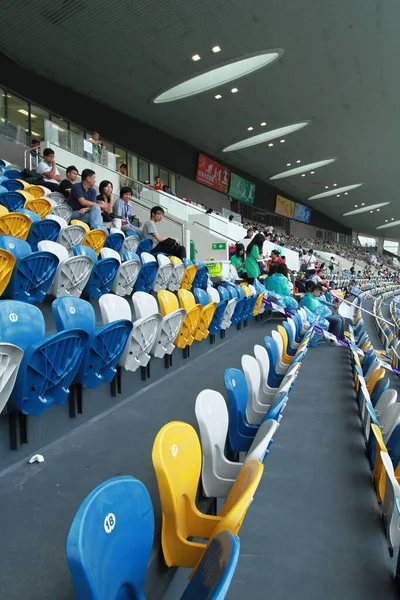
<point>386,220</point>
<point>282,141</point>
<point>234,90</point>
<point>371,211</point>
<point>289,164</point>
<point>347,188</point>
<point>270,145</point>
<point>338,195</point>
<point>356,206</point>
<point>218,96</point>
<point>346,193</point>
<point>303,175</point>
<point>250,129</point>
<point>392,219</point>
<point>362,203</point>
<point>312,172</point>
<point>229,71</point>
<point>35,133</point>
<point>272,134</point>
<point>335,184</point>
<point>215,49</point>
<point>365,209</point>
<point>298,161</point>
<point>378,209</point>
<point>196,57</point>
<point>327,187</point>
<point>304,169</point>
<point>263,124</point>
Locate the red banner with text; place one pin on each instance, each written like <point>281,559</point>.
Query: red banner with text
<point>212,174</point>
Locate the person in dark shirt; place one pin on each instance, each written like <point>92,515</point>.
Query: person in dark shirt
<point>82,200</point>
<point>71,175</point>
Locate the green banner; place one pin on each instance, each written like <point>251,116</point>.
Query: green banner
<point>218,246</point>
<point>242,189</point>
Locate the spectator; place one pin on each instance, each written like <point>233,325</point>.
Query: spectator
<point>309,260</point>
<point>105,199</point>
<point>98,146</point>
<point>35,160</point>
<point>237,259</point>
<point>331,265</point>
<point>312,300</point>
<point>167,190</point>
<point>254,253</point>
<point>48,170</point>
<point>270,230</point>
<point>250,233</point>
<point>82,200</point>
<point>157,184</point>
<point>65,186</point>
<point>283,258</point>
<point>209,211</point>
<point>123,171</point>
<point>123,210</point>
<point>278,283</point>
<point>168,245</point>
<point>231,217</point>
<point>275,258</point>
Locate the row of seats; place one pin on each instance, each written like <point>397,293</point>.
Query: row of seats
<point>123,506</point>
<point>383,329</point>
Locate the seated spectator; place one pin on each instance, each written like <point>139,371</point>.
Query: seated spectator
<point>123,210</point>
<point>65,186</point>
<point>237,259</point>
<point>123,171</point>
<point>278,284</point>
<point>35,159</point>
<point>209,211</point>
<point>48,170</point>
<point>274,260</point>
<point>82,200</point>
<point>313,301</point>
<point>231,217</point>
<point>168,245</point>
<point>98,146</point>
<point>254,253</point>
<point>168,190</point>
<point>105,200</point>
<point>250,233</point>
<point>157,184</point>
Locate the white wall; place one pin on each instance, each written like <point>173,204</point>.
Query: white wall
<point>302,230</point>
<point>201,194</point>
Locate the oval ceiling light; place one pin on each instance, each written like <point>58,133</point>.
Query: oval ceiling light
<point>337,190</point>
<point>229,71</point>
<point>272,134</point>
<point>303,168</point>
<point>365,209</point>
<point>390,224</point>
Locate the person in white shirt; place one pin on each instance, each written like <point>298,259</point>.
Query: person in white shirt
<point>48,170</point>
<point>310,259</point>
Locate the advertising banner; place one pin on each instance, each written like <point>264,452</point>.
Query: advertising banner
<point>302,213</point>
<point>212,174</point>
<point>242,189</point>
<point>284,207</point>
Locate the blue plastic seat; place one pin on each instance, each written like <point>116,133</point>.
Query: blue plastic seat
<point>201,278</point>
<point>276,407</point>
<point>49,364</point>
<point>12,185</point>
<point>144,246</point>
<point>114,241</point>
<point>240,433</point>
<point>235,291</point>
<point>297,321</point>
<point>187,262</point>
<point>45,229</point>
<point>250,305</point>
<point>29,213</point>
<point>146,277</point>
<point>290,350</point>
<point>109,543</point>
<point>393,446</point>
<point>33,273</point>
<point>202,298</point>
<point>12,173</point>
<point>223,293</point>
<point>12,201</point>
<point>105,345</point>
<point>380,386</point>
<point>102,275</point>
<point>274,378</point>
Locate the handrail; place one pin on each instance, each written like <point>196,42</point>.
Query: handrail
<point>214,231</point>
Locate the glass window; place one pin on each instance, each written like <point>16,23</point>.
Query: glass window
<point>144,174</point>
<point>172,182</point>
<point>162,174</point>
<point>367,241</point>
<point>38,117</point>
<point>76,130</point>
<point>120,155</point>
<point>2,105</point>
<point>132,166</point>
<point>18,112</point>
<point>60,124</point>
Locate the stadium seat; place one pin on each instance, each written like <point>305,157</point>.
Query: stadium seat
<point>275,374</point>
<point>71,236</point>
<point>235,291</point>
<point>62,222</point>
<point>10,360</point>
<point>7,264</point>
<point>41,206</point>
<point>34,217</point>
<point>82,224</point>
<point>115,241</point>
<point>127,273</point>
<point>391,503</point>
<point>12,171</point>
<point>45,229</point>
<point>257,403</point>
<point>216,322</point>
<point>269,383</point>
<point>11,185</point>
<point>189,275</point>
<point>3,210</point>
<point>145,305</point>
<point>240,433</point>
<point>62,210</point>
<point>95,239</point>
<point>72,272</point>
<point>207,312</point>
<point>177,462</point>
<point>109,542</point>
<point>144,332</point>
<point>168,305</point>
<point>57,197</point>
<point>280,365</point>
<point>49,364</point>
<point>164,273</point>
<point>36,191</point>
<point>144,246</point>
<point>104,346</point>
<point>131,242</point>
<point>387,398</point>
<point>33,272</point>
<point>190,327</point>
<point>201,277</point>
<point>230,307</point>
<point>177,274</point>
<point>103,273</point>
<point>16,225</point>
<point>147,274</point>
<point>12,201</point>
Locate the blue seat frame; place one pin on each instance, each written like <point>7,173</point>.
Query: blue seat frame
<point>114,241</point>
<point>274,378</point>
<point>12,201</point>
<point>146,277</point>
<point>102,275</point>
<point>45,229</point>
<point>240,432</point>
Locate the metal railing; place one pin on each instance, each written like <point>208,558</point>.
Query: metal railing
<point>214,231</point>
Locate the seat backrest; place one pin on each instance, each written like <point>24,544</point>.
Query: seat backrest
<point>144,246</point>
<point>262,358</point>
<point>43,230</point>
<point>175,260</point>
<point>145,257</point>
<point>109,542</point>
<point>95,239</point>
<point>56,196</point>
<point>389,419</point>
<point>272,349</point>
<point>236,387</point>
<point>115,241</point>
<point>186,299</point>
<point>71,235</point>
<point>62,222</point>
<point>223,293</point>
<point>131,243</point>
<point>81,250</point>
<point>62,210</point>
<point>15,246</point>
<point>128,255</point>
<point>163,260</point>
<point>144,305</point>
<point>21,324</point>
<point>34,217</point>
<point>252,374</point>
<point>108,252</point>
<point>15,224</point>
<point>213,576</point>
<point>41,206</point>
<point>12,200</point>
<point>113,308</point>
<point>212,418</point>
<point>380,386</point>
<point>73,313</point>
<point>167,301</point>
<point>55,248</point>
<point>200,296</point>
<point>213,295</point>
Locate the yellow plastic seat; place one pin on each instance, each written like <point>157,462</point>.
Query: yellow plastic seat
<point>286,358</point>
<point>258,304</point>
<point>81,223</point>
<point>3,210</point>
<point>206,315</point>
<point>177,463</point>
<point>191,321</point>
<point>40,206</point>
<point>190,274</point>
<point>379,471</point>
<point>168,303</point>
<point>175,260</point>
<point>24,183</point>
<point>26,195</point>
<point>378,374</point>
<point>95,239</point>
<point>15,224</point>
<point>35,190</point>
<point>7,262</point>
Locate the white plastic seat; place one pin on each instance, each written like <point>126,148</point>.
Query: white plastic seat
<point>10,359</point>
<point>46,190</point>
<point>63,223</point>
<point>62,210</point>
<point>213,295</point>
<point>388,398</point>
<point>72,273</point>
<point>144,332</point>
<point>281,367</point>
<point>178,271</point>
<point>131,243</point>
<point>391,504</point>
<point>262,440</point>
<point>127,273</point>
<point>261,355</point>
<point>257,403</point>
<point>146,305</point>
<point>71,236</point>
<point>292,326</point>
<point>389,420</point>
<point>230,309</point>
<point>218,473</point>
<point>165,268</point>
